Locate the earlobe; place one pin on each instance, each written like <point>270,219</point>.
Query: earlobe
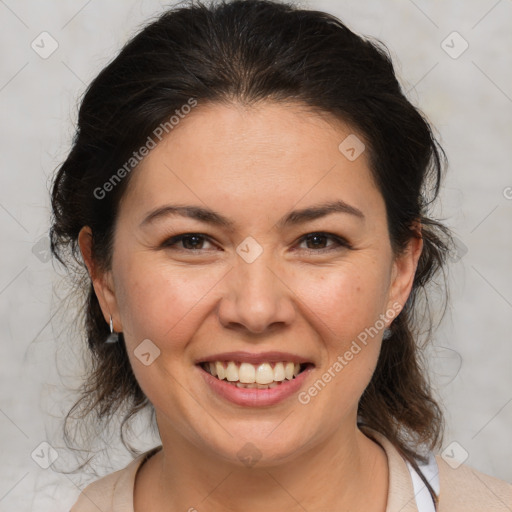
<point>101,281</point>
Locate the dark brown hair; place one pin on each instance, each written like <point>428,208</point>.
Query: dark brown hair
<point>246,52</point>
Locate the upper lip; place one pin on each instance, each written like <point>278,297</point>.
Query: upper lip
<point>255,358</point>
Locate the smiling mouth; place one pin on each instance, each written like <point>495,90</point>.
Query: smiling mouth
<point>254,376</point>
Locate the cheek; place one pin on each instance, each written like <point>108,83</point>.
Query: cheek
<point>159,302</point>
<point>344,305</point>
<point>346,299</point>
<point>165,305</point>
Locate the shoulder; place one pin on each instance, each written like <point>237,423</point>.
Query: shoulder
<point>459,488</point>
<point>113,492</point>
<point>465,488</point>
<point>99,494</point>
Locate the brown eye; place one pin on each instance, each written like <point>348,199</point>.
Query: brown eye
<point>189,241</point>
<point>317,242</point>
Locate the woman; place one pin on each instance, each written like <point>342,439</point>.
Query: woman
<point>249,191</point>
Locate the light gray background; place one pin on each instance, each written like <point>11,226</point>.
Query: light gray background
<point>469,101</point>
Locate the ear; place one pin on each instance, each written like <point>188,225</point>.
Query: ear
<point>101,280</point>
<point>404,270</point>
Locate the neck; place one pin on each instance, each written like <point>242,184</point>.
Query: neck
<point>347,471</point>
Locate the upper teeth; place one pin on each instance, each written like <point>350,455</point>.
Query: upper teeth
<point>248,373</point>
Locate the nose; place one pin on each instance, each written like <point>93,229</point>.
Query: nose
<point>257,298</point>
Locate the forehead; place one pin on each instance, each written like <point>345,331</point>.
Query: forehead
<point>269,155</point>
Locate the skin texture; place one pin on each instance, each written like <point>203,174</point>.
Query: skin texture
<point>254,166</point>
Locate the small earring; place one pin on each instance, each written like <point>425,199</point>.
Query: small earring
<point>387,334</point>
<point>113,337</point>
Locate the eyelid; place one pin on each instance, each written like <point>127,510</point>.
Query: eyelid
<point>173,241</point>
<point>339,241</point>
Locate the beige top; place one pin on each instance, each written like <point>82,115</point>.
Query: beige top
<point>463,489</point>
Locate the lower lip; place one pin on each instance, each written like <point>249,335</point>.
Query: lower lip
<point>255,397</point>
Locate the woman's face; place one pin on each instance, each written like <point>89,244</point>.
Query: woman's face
<point>255,283</point>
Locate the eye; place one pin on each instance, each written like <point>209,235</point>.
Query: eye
<point>318,241</point>
<point>192,242</point>
<point>189,241</point>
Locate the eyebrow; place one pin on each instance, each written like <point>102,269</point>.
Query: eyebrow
<point>213,218</point>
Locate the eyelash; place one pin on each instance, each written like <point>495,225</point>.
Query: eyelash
<point>340,242</point>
